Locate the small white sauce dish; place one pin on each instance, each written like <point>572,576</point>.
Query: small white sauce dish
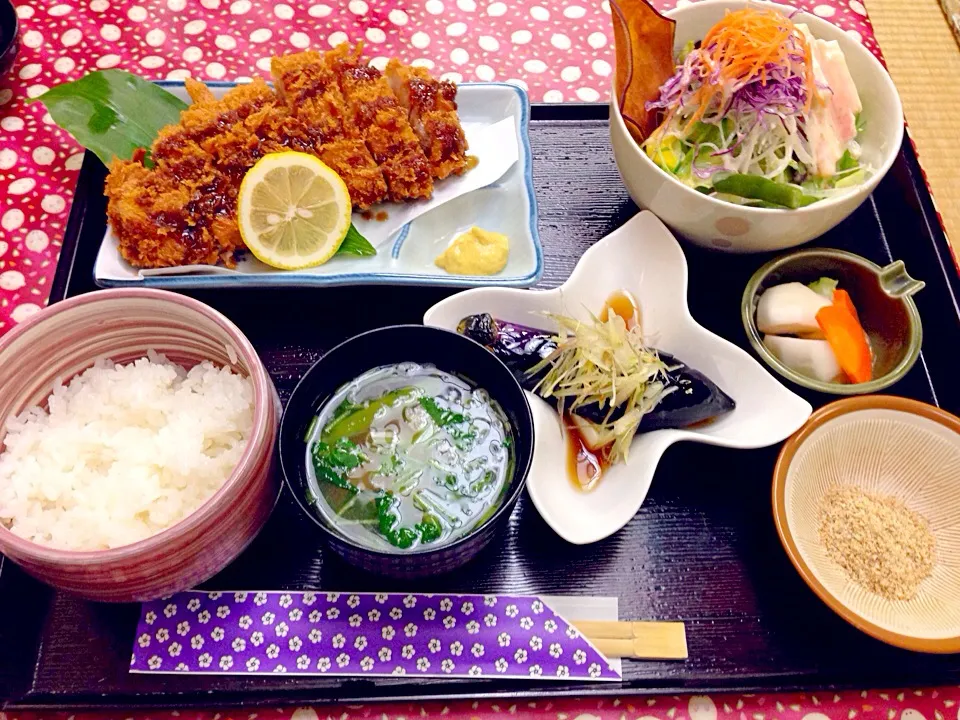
<point>644,259</point>
<point>725,226</point>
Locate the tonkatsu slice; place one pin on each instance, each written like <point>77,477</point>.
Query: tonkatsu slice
<point>308,86</point>
<point>432,111</point>
<point>380,120</point>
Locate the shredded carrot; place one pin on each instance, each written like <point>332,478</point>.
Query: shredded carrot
<point>843,331</point>
<point>743,44</point>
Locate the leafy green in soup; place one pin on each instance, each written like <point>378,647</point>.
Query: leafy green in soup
<point>407,455</point>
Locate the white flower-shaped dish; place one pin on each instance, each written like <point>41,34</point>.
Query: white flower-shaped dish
<point>643,258</point>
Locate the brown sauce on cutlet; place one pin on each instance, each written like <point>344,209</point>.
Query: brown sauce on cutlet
<point>303,144</point>
<point>299,139</point>
<point>169,220</point>
<point>423,95</point>
<point>450,139</point>
<point>224,121</point>
<point>219,198</point>
<point>366,113</point>
<point>209,201</point>
<point>357,160</point>
<point>448,91</point>
<point>189,167</point>
<point>395,148</point>
<point>312,89</point>
<point>363,73</point>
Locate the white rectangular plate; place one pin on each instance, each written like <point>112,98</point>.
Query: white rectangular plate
<point>406,256</point>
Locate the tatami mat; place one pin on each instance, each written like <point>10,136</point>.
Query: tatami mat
<point>924,60</point>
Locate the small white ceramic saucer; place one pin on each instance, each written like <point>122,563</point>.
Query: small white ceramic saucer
<point>643,258</point>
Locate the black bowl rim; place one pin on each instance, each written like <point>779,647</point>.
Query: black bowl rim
<point>519,478</point>
<point>9,50</point>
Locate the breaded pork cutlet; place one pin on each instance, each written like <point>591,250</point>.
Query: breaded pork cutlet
<point>183,210</point>
<point>380,120</point>
<point>208,117</point>
<point>432,111</point>
<point>308,87</point>
<point>162,221</point>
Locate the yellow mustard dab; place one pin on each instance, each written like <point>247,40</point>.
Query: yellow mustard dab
<point>475,252</point>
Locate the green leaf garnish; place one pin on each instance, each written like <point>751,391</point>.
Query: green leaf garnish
<point>112,113</point>
<point>429,527</point>
<point>388,516</point>
<point>350,420</point>
<point>439,415</point>
<point>463,437</point>
<point>331,461</point>
<point>486,481</point>
<point>356,244</point>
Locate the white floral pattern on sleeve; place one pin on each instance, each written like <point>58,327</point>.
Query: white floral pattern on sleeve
<point>426,635</point>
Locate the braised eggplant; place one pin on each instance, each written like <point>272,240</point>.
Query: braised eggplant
<point>690,397</point>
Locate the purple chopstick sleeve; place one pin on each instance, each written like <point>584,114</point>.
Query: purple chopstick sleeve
<point>309,633</point>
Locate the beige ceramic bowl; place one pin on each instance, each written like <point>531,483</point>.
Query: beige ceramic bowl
<point>736,228</point>
<point>890,446</point>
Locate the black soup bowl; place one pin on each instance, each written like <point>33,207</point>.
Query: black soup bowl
<point>449,352</point>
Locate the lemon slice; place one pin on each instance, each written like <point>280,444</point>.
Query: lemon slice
<point>293,211</point>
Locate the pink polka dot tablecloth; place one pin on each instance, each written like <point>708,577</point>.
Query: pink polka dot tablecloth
<point>929,704</point>
<point>560,50</point>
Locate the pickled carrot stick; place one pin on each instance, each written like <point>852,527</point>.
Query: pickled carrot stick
<point>843,331</point>
<point>842,297</point>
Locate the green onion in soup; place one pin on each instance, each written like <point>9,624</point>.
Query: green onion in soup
<point>408,456</point>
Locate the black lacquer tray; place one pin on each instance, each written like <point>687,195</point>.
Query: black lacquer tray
<point>702,549</point>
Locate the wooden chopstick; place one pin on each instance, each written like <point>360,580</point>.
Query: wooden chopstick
<point>639,639</point>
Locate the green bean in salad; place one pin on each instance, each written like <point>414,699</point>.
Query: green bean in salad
<point>755,187</point>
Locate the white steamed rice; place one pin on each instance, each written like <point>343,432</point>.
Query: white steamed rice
<point>124,452</point>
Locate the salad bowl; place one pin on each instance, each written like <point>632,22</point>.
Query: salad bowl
<point>721,225</point>
<point>643,258</point>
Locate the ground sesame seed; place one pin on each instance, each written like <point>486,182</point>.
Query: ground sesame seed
<point>881,544</point>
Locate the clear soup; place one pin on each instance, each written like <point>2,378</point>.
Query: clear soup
<point>408,456</point>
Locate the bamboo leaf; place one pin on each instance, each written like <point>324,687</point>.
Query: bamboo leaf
<point>112,113</point>
<point>356,244</point>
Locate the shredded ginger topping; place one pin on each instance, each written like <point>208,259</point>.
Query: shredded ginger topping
<point>607,364</point>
